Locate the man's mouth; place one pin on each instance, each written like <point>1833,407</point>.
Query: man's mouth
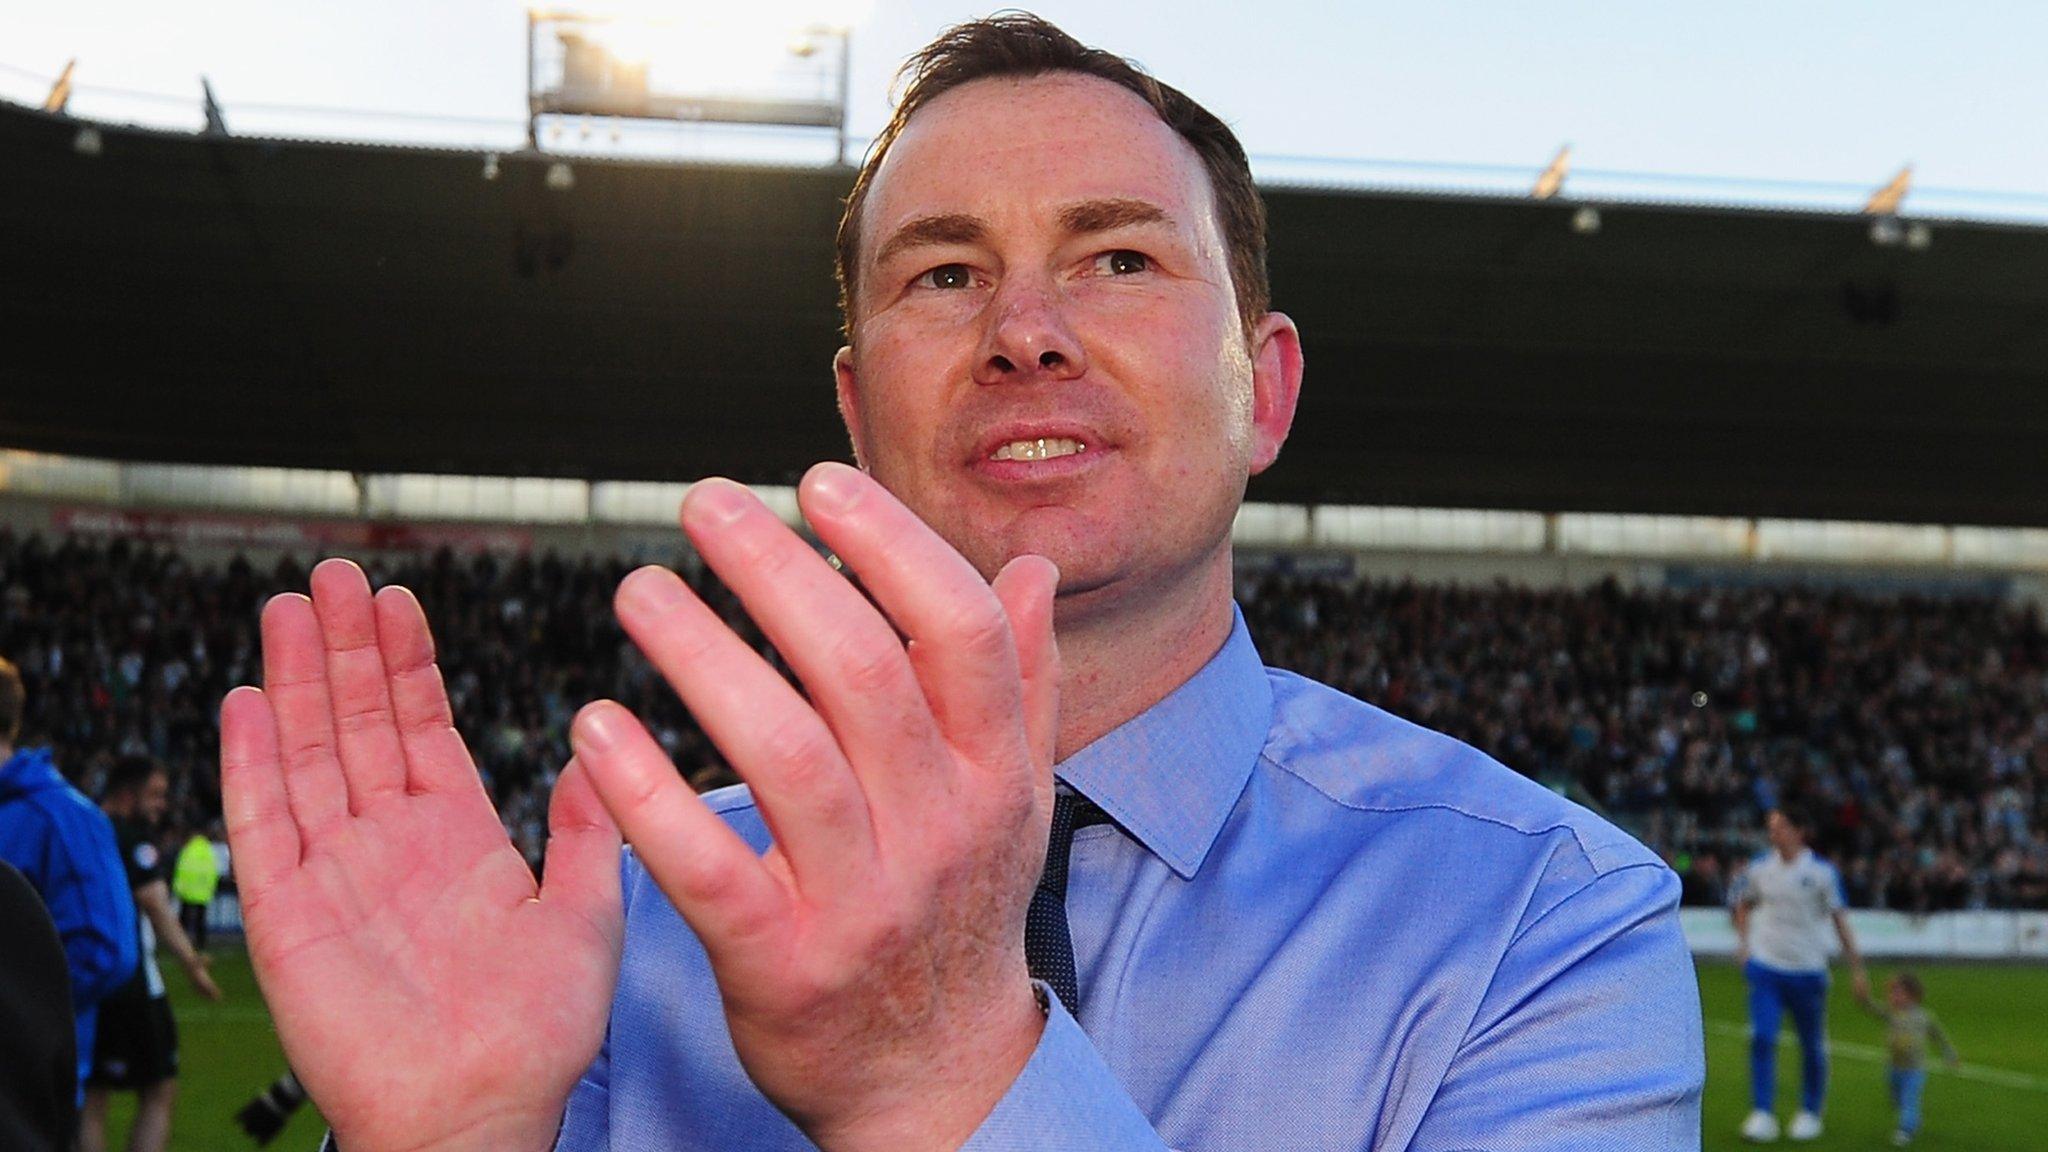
<point>1041,448</point>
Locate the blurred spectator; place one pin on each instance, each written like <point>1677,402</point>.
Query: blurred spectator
<point>137,1047</point>
<point>65,847</point>
<point>195,877</point>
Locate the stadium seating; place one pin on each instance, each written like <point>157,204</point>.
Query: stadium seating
<point>1916,726</point>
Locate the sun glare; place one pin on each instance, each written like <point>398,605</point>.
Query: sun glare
<point>715,48</point>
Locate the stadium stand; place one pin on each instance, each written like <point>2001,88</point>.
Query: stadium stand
<point>666,321</point>
<point>1917,724</point>
<point>1765,370</point>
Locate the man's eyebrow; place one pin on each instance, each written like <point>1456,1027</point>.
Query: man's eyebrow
<point>947,228</point>
<point>1090,216</point>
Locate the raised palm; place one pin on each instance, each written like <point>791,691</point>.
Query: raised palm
<point>426,990</point>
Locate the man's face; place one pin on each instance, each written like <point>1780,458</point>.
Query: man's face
<point>1047,355</point>
<point>154,799</point>
<point>1784,834</point>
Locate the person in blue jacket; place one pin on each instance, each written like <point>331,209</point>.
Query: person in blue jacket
<point>64,845</point>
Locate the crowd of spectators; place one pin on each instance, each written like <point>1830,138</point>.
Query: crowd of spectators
<point>1916,726</point>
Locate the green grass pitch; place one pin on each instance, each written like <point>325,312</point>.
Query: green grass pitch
<point>227,1052</point>
<point>1997,1102</point>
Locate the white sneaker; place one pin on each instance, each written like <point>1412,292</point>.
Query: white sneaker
<point>1760,1128</point>
<point>1901,1138</point>
<point>1805,1126</point>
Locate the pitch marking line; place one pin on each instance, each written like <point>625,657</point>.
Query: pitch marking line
<point>1876,1055</point>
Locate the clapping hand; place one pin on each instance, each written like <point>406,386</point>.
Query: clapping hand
<point>427,993</point>
<point>871,962</point>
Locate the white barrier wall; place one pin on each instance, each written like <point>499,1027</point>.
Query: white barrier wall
<point>1958,935</point>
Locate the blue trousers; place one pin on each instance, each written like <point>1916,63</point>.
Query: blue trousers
<point>1906,1086</point>
<point>1773,993</point>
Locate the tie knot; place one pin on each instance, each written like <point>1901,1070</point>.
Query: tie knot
<point>1059,843</point>
<point>1070,811</point>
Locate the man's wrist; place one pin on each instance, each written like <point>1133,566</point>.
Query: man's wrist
<point>940,1113</point>
<point>500,1134</point>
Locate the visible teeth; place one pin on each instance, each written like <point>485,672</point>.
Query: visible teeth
<point>1043,448</point>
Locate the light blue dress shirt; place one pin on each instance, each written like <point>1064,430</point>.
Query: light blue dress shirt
<point>1319,927</point>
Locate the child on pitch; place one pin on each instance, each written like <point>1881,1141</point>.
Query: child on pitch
<point>1909,1028</point>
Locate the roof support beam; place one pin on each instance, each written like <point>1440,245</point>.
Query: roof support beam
<point>1552,181</point>
<point>1887,200</point>
<point>60,92</point>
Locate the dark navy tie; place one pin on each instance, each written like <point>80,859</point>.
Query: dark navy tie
<point>1048,945</point>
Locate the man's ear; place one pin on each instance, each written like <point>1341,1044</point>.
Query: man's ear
<point>848,388</point>
<point>1276,386</point>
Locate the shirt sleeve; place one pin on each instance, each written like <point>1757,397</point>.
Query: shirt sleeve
<point>1740,889</point>
<point>1941,1040</point>
<point>139,855</point>
<point>1589,1036</point>
<point>1066,1097</point>
<point>95,914</point>
<point>587,1122</point>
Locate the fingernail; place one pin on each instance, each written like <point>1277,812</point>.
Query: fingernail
<point>651,587</point>
<point>598,728</point>
<point>719,500</point>
<point>836,487</point>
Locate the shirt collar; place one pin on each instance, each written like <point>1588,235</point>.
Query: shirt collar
<point>1171,775</point>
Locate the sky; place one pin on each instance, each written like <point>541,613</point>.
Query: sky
<point>1774,102</point>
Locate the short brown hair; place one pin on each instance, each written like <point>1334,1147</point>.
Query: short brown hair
<point>1018,44</point>
<point>13,697</point>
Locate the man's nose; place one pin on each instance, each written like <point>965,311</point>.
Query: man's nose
<point>1028,337</point>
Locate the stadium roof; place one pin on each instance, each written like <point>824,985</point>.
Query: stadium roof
<point>258,301</point>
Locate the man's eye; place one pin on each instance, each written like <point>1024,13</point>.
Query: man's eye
<point>947,276</point>
<point>1122,262</point>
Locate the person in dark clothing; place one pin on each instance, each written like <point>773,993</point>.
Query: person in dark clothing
<point>38,1050</point>
<point>138,1046</point>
